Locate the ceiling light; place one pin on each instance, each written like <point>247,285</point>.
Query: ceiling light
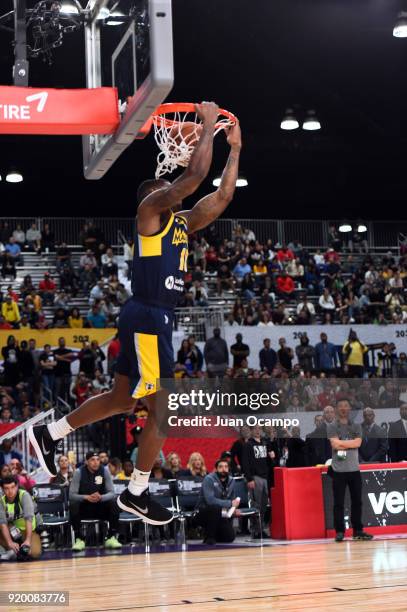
<point>345,227</point>
<point>104,13</point>
<point>69,8</point>
<point>14,177</point>
<point>240,182</point>
<point>400,28</point>
<point>114,22</point>
<point>361,227</point>
<point>289,122</point>
<point>311,122</point>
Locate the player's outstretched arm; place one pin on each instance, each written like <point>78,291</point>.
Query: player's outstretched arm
<point>212,206</point>
<point>163,199</point>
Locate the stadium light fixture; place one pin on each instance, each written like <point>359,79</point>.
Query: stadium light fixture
<point>14,177</point>
<point>345,226</point>
<point>361,227</point>
<point>289,121</point>
<point>311,122</point>
<point>104,13</point>
<point>115,22</point>
<point>400,28</point>
<point>69,8</point>
<point>241,182</point>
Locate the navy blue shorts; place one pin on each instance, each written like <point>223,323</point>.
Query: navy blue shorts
<point>146,353</point>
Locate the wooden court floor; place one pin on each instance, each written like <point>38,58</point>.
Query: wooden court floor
<point>362,576</point>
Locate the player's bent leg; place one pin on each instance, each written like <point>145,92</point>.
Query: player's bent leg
<point>136,498</point>
<point>44,438</point>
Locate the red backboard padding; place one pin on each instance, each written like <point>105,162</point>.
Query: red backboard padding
<point>29,110</point>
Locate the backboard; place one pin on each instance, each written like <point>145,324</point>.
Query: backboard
<point>128,45</point>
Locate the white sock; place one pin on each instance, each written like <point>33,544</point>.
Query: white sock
<point>59,429</point>
<point>139,482</point>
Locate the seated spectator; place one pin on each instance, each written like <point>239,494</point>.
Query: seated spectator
<point>75,321</point>
<point>284,255</point>
<point>217,497</point>
<point>13,249</point>
<point>63,258</point>
<point>331,256</point>
<point>60,318</point>
<point>18,471</point>
<point>65,472</point>
<point>197,357</point>
<point>5,416</point>
<point>241,268</point>
<point>260,268</point>
<point>91,496</point>
<point>196,465</point>
<point>211,259</point>
<point>62,300</point>
<point>27,286</point>
<point>10,312</point>
<point>48,364</point>
<point>109,263</point>
<point>17,511</point>
<point>224,280</point>
<point>326,302</point>
<point>199,294</point>
<point>100,382</point>
<point>68,280</point>
<point>285,285</point>
<point>128,468</point>
<point>398,437</point>
<point>47,239</point>
<point>115,467</point>
<point>96,318</point>
<point>265,320</point>
<point>4,324</point>
<point>158,471</point>
<point>7,453</point>
<point>295,269</point>
<point>305,311</point>
<point>173,464</point>
<point>47,289</point>
<point>8,266</point>
<point>33,238</point>
<point>19,236</point>
<point>79,389</point>
<point>88,260</point>
<point>87,278</point>
<point>186,358</point>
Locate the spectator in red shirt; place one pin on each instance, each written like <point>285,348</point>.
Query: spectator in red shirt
<point>211,260</point>
<point>285,254</point>
<point>4,324</point>
<point>47,289</point>
<point>285,285</point>
<point>112,354</point>
<point>12,294</point>
<point>331,256</point>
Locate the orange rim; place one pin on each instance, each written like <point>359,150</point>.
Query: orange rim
<point>183,107</point>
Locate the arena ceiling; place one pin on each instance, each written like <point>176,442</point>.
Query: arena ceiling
<point>255,58</point>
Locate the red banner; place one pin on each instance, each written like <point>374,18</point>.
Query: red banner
<point>27,110</point>
<point>6,427</point>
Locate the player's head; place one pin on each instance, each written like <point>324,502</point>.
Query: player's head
<point>150,186</point>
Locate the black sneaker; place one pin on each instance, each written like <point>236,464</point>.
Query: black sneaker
<point>339,536</point>
<point>146,508</point>
<point>362,535</point>
<point>45,448</point>
<point>209,542</point>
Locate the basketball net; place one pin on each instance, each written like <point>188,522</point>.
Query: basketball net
<point>175,144</point>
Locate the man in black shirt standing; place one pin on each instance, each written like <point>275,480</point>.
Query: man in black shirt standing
<point>62,371</point>
<point>285,355</point>
<point>267,357</point>
<point>257,457</point>
<point>240,351</point>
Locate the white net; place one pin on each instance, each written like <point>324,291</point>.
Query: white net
<point>177,134</point>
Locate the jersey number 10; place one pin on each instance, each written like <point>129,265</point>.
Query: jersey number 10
<point>183,260</point>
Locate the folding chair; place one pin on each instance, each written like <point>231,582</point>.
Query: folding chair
<point>163,492</point>
<point>50,500</point>
<point>127,519</point>
<point>246,508</point>
<point>188,490</point>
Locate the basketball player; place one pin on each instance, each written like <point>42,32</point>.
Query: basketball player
<point>146,320</point>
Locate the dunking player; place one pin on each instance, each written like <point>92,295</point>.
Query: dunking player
<point>146,320</point>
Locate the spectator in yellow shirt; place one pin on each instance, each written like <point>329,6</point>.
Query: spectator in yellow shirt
<point>11,312</point>
<point>75,320</point>
<point>353,351</point>
<point>260,268</point>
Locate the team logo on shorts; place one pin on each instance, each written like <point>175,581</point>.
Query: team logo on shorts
<point>150,386</point>
<point>169,282</point>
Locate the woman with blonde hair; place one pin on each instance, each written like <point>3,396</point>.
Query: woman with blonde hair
<point>173,464</point>
<point>196,465</point>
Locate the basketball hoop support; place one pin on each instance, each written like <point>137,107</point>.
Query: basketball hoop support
<point>100,152</point>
